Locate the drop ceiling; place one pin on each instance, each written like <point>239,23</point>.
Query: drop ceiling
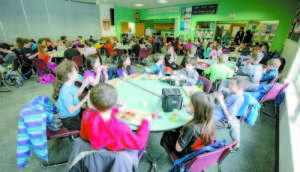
<point>147,3</point>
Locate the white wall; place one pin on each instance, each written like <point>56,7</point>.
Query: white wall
<point>47,18</point>
<point>104,10</point>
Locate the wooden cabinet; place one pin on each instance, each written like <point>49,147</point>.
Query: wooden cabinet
<point>163,26</point>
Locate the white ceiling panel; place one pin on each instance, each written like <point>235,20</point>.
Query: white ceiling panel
<point>147,3</point>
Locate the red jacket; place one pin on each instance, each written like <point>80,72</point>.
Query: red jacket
<point>110,49</point>
<point>112,134</point>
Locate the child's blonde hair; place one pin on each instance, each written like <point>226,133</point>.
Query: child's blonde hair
<point>256,57</point>
<point>223,58</point>
<point>275,63</point>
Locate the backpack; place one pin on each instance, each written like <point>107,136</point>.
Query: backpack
<point>26,71</point>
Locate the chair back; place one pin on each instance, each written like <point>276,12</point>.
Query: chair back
<point>15,64</point>
<point>206,82</point>
<point>203,161</point>
<point>120,52</point>
<point>273,81</point>
<point>150,50</point>
<point>143,54</point>
<point>106,52</point>
<point>78,60</point>
<point>40,64</point>
<point>274,92</point>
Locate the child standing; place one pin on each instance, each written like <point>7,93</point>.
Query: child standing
<point>67,95</point>
<point>254,71</point>
<point>272,71</point>
<point>219,70</point>
<point>101,127</point>
<point>191,53</point>
<point>158,67</point>
<point>95,73</point>
<point>197,133</point>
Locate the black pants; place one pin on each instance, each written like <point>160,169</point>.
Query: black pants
<point>73,123</point>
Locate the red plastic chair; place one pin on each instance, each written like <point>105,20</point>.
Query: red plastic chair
<point>63,132</point>
<point>271,96</point>
<point>203,161</point>
<point>206,82</point>
<point>40,64</point>
<point>119,52</point>
<point>78,60</point>
<point>143,54</point>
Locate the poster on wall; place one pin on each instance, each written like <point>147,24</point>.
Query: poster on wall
<point>185,20</point>
<point>106,24</point>
<point>294,33</point>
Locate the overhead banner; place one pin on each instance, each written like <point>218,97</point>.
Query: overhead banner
<point>186,16</point>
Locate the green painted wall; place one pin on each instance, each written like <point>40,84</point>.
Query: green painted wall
<point>123,15</point>
<point>244,10</point>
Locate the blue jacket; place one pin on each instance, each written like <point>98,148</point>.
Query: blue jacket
<point>180,164</point>
<point>249,102</point>
<point>33,120</point>
<point>269,75</point>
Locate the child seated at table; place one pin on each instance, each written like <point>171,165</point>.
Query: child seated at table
<point>95,73</point>
<point>208,49</point>
<point>189,74</point>
<point>253,70</point>
<point>102,129</point>
<point>46,58</point>
<point>123,69</point>
<point>272,70</point>
<point>170,58</point>
<point>67,95</point>
<point>226,110</point>
<point>158,67</point>
<point>219,70</point>
<point>197,133</point>
<point>191,53</point>
<point>71,51</point>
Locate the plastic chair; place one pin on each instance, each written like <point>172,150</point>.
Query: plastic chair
<point>40,65</point>
<point>150,51</point>
<point>78,60</point>
<point>203,161</point>
<point>206,82</point>
<point>271,96</point>
<point>119,53</point>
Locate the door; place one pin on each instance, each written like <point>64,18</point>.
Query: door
<point>140,29</point>
<point>124,27</point>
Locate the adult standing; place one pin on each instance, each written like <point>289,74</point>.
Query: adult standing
<point>239,36</point>
<point>248,37</point>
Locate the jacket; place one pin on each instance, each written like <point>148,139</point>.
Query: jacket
<point>180,164</point>
<point>33,120</point>
<point>85,158</point>
<point>252,113</point>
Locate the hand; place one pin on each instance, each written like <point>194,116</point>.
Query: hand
<point>220,97</point>
<point>148,70</point>
<point>148,117</point>
<point>86,97</point>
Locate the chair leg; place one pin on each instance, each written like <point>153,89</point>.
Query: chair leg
<point>9,90</point>
<point>219,167</point>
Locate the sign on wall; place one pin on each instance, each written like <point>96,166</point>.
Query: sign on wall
<point>205,9</point>
<point>185,20</point>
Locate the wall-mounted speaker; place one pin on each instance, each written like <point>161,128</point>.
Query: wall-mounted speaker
<point>136,16</point>
<point>112,16</point>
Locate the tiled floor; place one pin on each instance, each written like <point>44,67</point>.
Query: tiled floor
<point>257,152</point>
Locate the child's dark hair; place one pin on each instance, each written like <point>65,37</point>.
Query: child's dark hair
<point>25,41</point>
<point>232,44</point>
<point>103,96</point>
<point>203,104</point>
<point>192,61</point>
<point>208,44</point>
<point>245,51</point>
<point>19,42</point>
<point>121,63</point>
<point>88,43</point>
<point>157,57</point>
<point>62,72</point>
<point>90,61</point>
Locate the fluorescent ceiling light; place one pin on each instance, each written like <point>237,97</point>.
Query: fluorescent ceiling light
<point>162,1</point>
<point>138,5</point>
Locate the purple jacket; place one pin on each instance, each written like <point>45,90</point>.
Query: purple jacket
<point>120,72</point>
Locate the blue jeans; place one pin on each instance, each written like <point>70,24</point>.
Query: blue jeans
<point>112,73</point>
